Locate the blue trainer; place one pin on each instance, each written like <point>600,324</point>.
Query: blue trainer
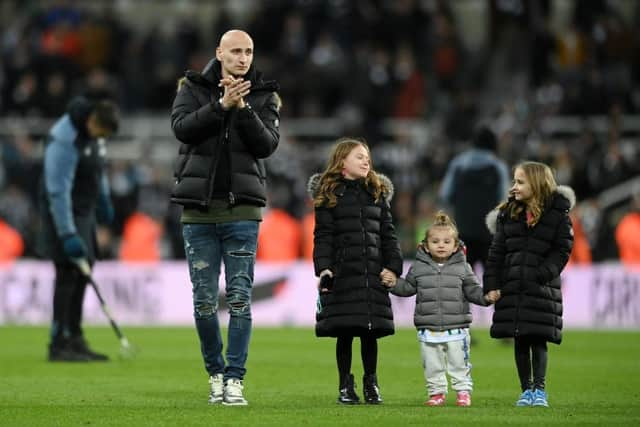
<point>540,398</point>
<point>526,398</point>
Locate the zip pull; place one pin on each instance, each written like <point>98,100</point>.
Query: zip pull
<point>232,199</point>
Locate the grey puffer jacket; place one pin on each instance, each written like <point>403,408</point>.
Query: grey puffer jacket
<point>442,293</point>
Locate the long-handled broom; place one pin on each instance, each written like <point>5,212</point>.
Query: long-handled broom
<point>127,351</point>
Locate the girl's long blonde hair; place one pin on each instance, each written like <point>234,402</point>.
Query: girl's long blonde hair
<point>543,185</point>
<point>333,173</point>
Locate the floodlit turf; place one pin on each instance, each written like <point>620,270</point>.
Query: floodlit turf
<point>291,380</point>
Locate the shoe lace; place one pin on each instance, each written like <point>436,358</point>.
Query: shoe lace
<point>234,388</point>
<point>216,384</point>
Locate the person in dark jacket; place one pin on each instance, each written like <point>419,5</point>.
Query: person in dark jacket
<point>354,244</point>
<point>227,120</point>
<point>74,194</point>
<point>476,180</point>
<point>444,284</point>
<point>532,242</point>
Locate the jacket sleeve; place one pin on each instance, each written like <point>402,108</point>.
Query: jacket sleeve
<point>260,130</point>
<point>60,163</point>
<point>192,122</point>
<point>323,240</point>
<point>405,287</point>
<point>493,267</point>
<point>391,254</point>
<point>471,287</point>
<point>561,247</point>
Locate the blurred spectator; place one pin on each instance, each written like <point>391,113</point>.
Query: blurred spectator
<point>308,225</point>
<point>475,182</point>
<point>12,245</point>
<point>581,252</point>
<point>279,237</point>
<point>627,232</point>
<point>140,239</point>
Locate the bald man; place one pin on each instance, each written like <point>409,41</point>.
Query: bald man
<point>226,118</point>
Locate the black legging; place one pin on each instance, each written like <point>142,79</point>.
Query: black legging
<point>68,300</point>
<point>368,352</point>
<point>531,352</point>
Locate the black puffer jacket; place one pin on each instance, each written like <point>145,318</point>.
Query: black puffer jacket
<point>525,264</point>
<point>355,240</point>
<point>221,152</point>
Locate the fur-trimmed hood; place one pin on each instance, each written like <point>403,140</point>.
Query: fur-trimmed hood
<point>313,186</point>
<point>565,191</point>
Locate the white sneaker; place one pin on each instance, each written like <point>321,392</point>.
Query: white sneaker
<point>233,393</point>
<point>217,389</point>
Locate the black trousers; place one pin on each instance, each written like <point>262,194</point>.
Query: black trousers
<point>477,250</point>
<point>68,298</point>
<point>368,352</point>
<point>531,358</point>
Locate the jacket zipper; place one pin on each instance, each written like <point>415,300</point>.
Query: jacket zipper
<point>516,331</point>
<point>214,166</point>
<point>364,256</point>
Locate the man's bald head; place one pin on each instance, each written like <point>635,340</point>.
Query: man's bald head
<point>235,36</point>
<point>235,53</point>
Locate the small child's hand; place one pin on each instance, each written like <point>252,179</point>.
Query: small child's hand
<point>388,278</point>
<point>492,296</point>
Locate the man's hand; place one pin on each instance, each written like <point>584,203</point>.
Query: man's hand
<point>234,91</point>
<point>74,247</point>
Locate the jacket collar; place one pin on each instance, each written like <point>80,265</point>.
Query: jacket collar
<point>455,258</point>
<point>313,186</point>
<point>564,198</point>
<point>212,73</point>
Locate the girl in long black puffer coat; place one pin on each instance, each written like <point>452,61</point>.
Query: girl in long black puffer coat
<point>531,245</point>
<point>354,245</point>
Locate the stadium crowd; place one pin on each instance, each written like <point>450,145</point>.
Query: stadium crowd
<point>361,61</point>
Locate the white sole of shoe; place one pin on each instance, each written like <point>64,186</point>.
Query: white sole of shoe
<point>235,403</point>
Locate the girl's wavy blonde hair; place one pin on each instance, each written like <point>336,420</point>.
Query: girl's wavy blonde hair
<point>543,185</point>
<point>441,220</point>
<point>333,173</point>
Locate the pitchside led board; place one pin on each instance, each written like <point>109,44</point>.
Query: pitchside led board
<point>602,296</point>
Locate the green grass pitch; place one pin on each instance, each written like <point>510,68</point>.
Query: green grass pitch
<point>593,379</point>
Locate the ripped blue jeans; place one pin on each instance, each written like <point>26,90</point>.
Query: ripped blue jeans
<point>206,247</point>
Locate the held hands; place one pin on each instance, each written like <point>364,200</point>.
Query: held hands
<point>388,278</point>
<point>234,91</point>
<point>492,296</point>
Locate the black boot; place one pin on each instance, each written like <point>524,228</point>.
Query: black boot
<point>348,394</point>
<point>60,350</point>
<point>79,345</point>
<point>371,389</point>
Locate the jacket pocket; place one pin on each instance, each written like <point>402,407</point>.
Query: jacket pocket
<point>179,169</point>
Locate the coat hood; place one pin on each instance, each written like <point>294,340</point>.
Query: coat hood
<point>313,186</point>
<point>456,257</point>
<point>212,73</point>
<point>563,191</point>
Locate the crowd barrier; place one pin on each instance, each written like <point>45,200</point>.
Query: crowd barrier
<point>600,296</point>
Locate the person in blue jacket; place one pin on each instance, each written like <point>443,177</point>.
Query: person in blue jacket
<point>74,195</point>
